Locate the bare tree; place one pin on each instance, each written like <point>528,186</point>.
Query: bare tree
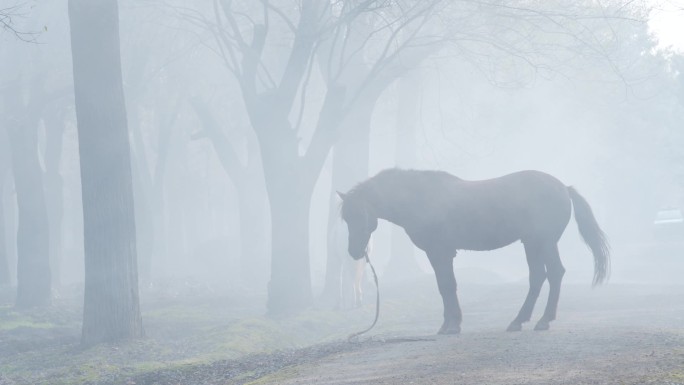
<point>33,263</point>
<point>111,305</point>
<point>149,92</point>
<point>247,177</point>
<point>275,96</point>
<point>402,265</point>
<point>5,278</point>
<point>54,120</point>
<point>367,54</point>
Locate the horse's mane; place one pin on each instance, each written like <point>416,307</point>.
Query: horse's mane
<point>396,174</point>
<point>409,177</point>
<point>365,185</point>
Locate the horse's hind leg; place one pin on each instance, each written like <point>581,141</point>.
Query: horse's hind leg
<point>535,263</point>
<point>446,282</point>
<point>554,272</point>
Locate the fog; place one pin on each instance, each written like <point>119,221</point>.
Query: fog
<point>245,119</point>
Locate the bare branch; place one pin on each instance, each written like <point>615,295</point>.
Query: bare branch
<point>305,84</point>
<point>228,14</point>
<point>280,13</point>
<point>212,130</point>
<point>7,16</point>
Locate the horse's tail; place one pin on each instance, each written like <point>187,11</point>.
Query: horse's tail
<point>592,234</point>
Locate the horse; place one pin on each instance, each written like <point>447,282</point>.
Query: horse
<point>442,214</point>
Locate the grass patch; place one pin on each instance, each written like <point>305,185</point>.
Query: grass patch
<point>11,319</point>
<point>41,346</point>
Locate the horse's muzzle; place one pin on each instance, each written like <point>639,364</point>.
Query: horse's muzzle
<point>357,256</point>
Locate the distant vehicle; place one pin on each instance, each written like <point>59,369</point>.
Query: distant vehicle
<point>668,225</point>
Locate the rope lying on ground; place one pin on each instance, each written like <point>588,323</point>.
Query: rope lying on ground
<point>377,303</point>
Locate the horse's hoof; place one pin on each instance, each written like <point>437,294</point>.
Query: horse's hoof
<point>514,327</point>
<point>541,325</point>
<point>449,329</point>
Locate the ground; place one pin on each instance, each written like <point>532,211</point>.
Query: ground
<point>621,333</point>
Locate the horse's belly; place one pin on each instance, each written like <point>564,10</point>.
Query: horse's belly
<point>446,241</point>
<point>485,241</point>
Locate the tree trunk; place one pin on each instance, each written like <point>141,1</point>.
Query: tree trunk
<point>289,191</point>
<point>10,212</point>
<point>5,276</point>
<point>253,234</point>
<point>165,125</point>
<point>290,181</point>
<point>142,175</point>
<point>402,265</point>
<point>111,308</point>
<point>144,220</point>
<point>248,182</point>
<point>54,127</point>
<point>4,258</point>
<point>289,289</point>
<point>350,165</point>
<point>33,263</point>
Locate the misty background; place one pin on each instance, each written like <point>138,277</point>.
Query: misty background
<point>585,91</point>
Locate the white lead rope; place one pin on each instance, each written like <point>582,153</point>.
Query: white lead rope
<point>377,302</point>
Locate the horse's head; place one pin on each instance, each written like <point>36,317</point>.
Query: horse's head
<point>361,222</point>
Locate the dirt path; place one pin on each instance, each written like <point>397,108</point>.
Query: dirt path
<point>622,335</point>
<point>601,356</point>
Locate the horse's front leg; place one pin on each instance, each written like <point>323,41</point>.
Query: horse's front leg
<point>446,282</point>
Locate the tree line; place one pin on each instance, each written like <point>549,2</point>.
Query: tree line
<point>293,87</point>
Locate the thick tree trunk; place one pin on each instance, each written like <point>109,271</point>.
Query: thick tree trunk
<point>289,289</point>
<point>10,216</point>
<point>5,276</point>
<point>33,264</point>
<point>248,182</point>
<point>142,175</point>
<point>144,220</point>
<point>290,180</point>
<point>54,127</point>
<point>290,176</point>
<point>4,258</point>
<point>289,191</point>
<point>402,265</point>
<point>165,125</point>
<point>253,234</point>
<point>350,165</point>
<point>111,308</point>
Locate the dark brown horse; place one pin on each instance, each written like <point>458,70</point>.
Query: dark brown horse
<point>442,214</point>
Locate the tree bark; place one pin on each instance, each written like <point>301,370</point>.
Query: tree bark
<point>290,180</point>
<point>144,220</point>
<point>248,181</point>
<point>111,308</point>
<point>54,132</point>
<point>10,216</point>
<point>4,257</point>
<point>351,156</point>
<point>351,151</point>
<point>33,261</point>
<point>402,265</point>
<point>5,276</point>
<point>289,289</point>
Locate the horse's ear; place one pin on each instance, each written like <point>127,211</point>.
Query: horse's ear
<point>342,196</point>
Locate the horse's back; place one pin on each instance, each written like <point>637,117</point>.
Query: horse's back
<point>492,213</point>
<point>529,205</point>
